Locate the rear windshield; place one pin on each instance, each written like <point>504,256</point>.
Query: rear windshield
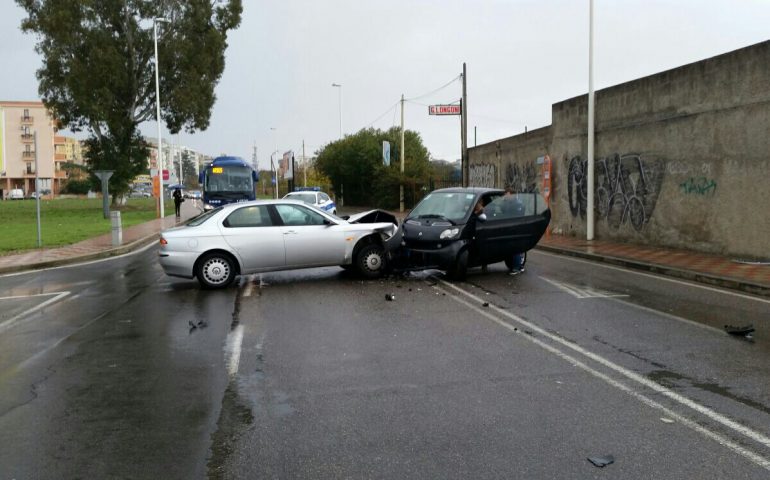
<point>303,197</point>
<point>200,219</point>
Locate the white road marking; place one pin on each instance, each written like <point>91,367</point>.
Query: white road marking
<point>233,350</point>
<point>90,262</point>
<point>657,277</point>
<point>758,437</point>
<point>11,321</point>
<point>249,285</point>
<point>582,293</point>
<point>670,316</point>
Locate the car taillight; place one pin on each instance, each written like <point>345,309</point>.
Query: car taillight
<point>163,241</point>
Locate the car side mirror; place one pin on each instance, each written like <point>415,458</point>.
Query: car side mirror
<point>482,217</point>
<point>327,222</point>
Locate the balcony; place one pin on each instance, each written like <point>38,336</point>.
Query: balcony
<point>28,155</point>
<point>27,119</point>
<point>27,137</point>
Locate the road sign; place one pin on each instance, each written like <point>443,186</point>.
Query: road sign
<point>444,110</point>
<point>386,153</point>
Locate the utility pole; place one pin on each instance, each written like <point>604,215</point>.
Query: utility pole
<point>304,167</point>
<point>401,188</point>
<point>464,130</point>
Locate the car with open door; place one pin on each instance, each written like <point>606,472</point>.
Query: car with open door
<point>453,229</point>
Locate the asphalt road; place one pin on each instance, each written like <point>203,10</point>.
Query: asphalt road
<point>113,370</point>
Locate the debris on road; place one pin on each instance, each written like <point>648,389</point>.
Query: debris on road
<point>390,297</point>
<point>743,331</point>
<point>485,304</point>
<point>666,420</point>
<point>603,461</point>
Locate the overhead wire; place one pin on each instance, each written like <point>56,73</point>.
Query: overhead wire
<point>436,90</point>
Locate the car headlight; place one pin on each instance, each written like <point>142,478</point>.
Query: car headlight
<point>449,233</point>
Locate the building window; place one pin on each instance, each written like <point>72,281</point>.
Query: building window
<point>27,148</point>
<point>30,171</point>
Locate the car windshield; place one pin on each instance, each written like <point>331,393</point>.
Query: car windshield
<point>449,205</point>
<point>303,197</point>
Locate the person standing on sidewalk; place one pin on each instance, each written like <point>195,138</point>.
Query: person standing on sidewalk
<point>177,201</point>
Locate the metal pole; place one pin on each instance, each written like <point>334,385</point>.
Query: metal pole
<point>590,153</point>
<point>401,188</point>
<point>157,116</point>
<point>339,85</point>
<point>37,193</point>
<point>304,167</point>
<point>464,129</point>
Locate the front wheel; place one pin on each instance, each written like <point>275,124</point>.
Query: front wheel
<point>370,261</point>
<point>215,270</point>
<point>459,270</point>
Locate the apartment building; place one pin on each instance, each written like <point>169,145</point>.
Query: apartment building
<point>20,155</point>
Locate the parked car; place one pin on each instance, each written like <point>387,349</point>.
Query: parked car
<point>193,194</point>
<point>16,194</point>
<point>316,198</point>
<point>139,194</point>
<point>34,195</point>
<point>444,232</point>
<point>269,235</point>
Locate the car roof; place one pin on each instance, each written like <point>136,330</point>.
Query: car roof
<point>271,201</point>
<point>474,190</point>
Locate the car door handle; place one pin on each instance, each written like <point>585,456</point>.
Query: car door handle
<point>290,232</point>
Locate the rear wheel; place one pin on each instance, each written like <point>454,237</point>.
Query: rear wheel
<point>215,270</point>
<point>370,260</point>
<point>459,270</point>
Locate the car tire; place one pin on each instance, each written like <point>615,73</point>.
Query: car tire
<point>459,270</point>
<point>509,261</point>
<point>370,261</point>
<point>215,270</point>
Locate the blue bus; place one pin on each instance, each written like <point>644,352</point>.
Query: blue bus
<point>227,180</point>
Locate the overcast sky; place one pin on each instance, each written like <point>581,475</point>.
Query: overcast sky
<point>521,56</point>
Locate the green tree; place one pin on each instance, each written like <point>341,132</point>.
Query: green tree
<point>355,164</point>
<point>98,70</point>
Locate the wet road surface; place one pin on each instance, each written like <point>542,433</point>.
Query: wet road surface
<point>126,373</point>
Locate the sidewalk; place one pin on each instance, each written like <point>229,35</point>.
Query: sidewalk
<point>700,267</point>
<point>134,238</point>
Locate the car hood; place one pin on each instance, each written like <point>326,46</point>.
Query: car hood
<point>373,216</point>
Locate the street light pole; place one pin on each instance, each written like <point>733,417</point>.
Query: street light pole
<point>157,112</point>
<point>590,152</point>
<point>338,85</point>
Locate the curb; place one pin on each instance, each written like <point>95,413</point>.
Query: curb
<point>699,277</point>
<point>111,252</point>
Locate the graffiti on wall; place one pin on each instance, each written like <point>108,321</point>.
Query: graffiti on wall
<point>627,188</point>
<point>482,175</point>
<point>521,178</point>
<point>698,186</point>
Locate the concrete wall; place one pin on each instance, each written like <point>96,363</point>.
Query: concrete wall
<point>682,157</point>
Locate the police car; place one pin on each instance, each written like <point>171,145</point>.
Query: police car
<point>316,198</point>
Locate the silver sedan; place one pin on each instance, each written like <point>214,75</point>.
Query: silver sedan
<point>269,235</point>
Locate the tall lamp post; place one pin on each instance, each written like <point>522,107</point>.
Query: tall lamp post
<point>339,86</point>
<point>155,22</point>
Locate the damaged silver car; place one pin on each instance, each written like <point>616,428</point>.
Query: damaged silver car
<point>270,235</point>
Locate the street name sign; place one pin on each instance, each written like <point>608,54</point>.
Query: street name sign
<point>444,110</point>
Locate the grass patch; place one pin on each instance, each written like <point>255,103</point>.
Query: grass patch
<point>65,221</point>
